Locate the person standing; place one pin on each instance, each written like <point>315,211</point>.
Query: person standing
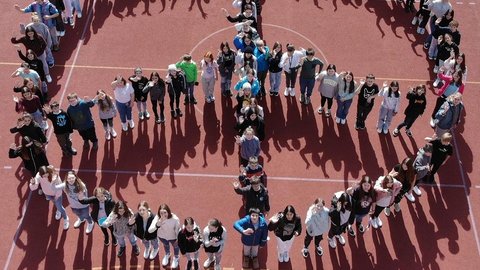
<point>177,84</point>
<point>124,97</point>
<point>209,75</point>
<point>417,102</point>
<point>82,120</point>
<point>366,98</point>
<point>328,88</point>
<point>442,150</point>
<point>189,68</point>
<point>308,73</point>
<point>138,83</point>
<point>316,223</point>
<point>261,52</point>
<point>141,222</point>
<point>287,225</point>
<point>156,87</point>
<point>189,241</point>
<point>62,127</point>
<point>256,195</point>
<point>226,66</point>
<point>214,238</point>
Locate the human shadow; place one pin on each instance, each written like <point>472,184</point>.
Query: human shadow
<point>347,153</point>
<point>192,131</point>
<point>330,149</point>
<point>120,6</point>
<point>383,12</point>
<point>362,259</point>
<point>313,143</point>
<point>108,162</point>
<point>384,258</point>
<point>211,127</point>
<point>293,123</point>
<point>200,7</point>
<point>316,4</point>
<point>227,129</point>
<point>23,176</point>
<point>368,155</point>
<point>83,255</point>
<point>178,149</point>
<point>388,149</point>
<point>124,161</point>
<point>159,155</point>
<point>102,10</point>
<point>276,130</point>
<point>345,2</point>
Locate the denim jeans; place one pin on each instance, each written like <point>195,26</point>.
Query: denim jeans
<point>58,204</point>
<point>124,110</point>
<point>83,214</point>
<point>275,80</point>
<point>166,246</point>
<point>384,118</point>
<point>148,243</point>
<point>343,107</point>
<point>225,83</point>
<point>306,85</point>
<point>130,236</point>
<point>433,26</point>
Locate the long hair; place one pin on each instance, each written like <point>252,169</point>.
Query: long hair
<point>463,65</point>
<point>390,90</point>
<point>78,184</point>
<point>290,209</point>
<point>407,175</point>
<point>458,83</point>
<point>351,85</point>
<point>165,207</point>
<point>31,29</point>
<point>50,170</point>
<point>122,205</point>
<point>370,193</point>
<point>105,104</point>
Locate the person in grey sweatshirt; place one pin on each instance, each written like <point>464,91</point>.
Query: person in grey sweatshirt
<point>422,166</point>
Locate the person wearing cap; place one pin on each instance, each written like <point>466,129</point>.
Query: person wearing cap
<point>176,83</point>
<point>251,80</point>
<point>189,68</point>
<point>290,63</point>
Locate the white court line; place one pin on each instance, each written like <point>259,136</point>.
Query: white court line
<point>233,176</point>
<point>462,174</point>
<point>25,207</point>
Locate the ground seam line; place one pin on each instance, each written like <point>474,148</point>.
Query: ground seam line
<point>27,203</point>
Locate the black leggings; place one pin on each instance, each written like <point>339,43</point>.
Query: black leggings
<point>290,79</point>
<point>378,210</point>
<point>328,100</point>
<point>308,239</point>
<point>408,121</point>
<point>174,97</point>
<point>336,230</point>
<point>107,122</point>
<point>438,104</point>
<point>162,107</point>
<point>403,191</point>
<point>105,232</point>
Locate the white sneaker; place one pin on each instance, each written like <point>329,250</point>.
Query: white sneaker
<point>146,114</point>
<point>397,207</point>
<point>286,257</point>
<point>131,123</point>
<point>436,82</point>
<point>280,257</point>
<point>379,130</point>
<point>410,197</point>
<point>332,242</point>
<point>320,110</point>
<point>66,224</point>
<point>385,130</point>
<point>174,264</point>
<point>292,92</point>
<point>341,239</point>
<point>153,253</point>
<point>165,260</point>
<point>113,132</point>
<point>414,20</point>
<point>140,116</point>
<point>217,267</point>
<point>124,127</point>
<point>432,123</point>
<point>58,215</point>
<point>207,263</point>
<point>435,69</point>
<point>417,191</point>
<point>79,15</point>
<point>387,211</point>
<point>343,121</point>
<point>373,222</point>
<point>146,253</point>
<point>89,228</point>
<point>379,222</point>
<point>286,92</point>
<point>78,223</point>
<point>337,120</point>
<point>108,136</point>
<point>49,78</point>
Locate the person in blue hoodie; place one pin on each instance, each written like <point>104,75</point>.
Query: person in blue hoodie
<point>254,232</point>
<point>261,52</point>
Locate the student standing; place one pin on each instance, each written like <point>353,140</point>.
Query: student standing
<point>119,219</point>
<point>366,98</point>
<point>141,222</point>
<point>62,127</point>
<point>82,120</point>
<point>214,238</point>
<point>417,102</point>
<point>138,83</point>
<point>287,226</point>
<point>254,231</point>
<point>189,241</point>
<point>308,73</point>
<point>124,97</point>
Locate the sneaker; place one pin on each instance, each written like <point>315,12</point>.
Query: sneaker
<point>40,192</point>
<point>71,21</point>
<point>280,257</point>
<point>79,15</point>
<point>153,253</point>
<point>387,211</point>
<point>385,130</point>
<point>292,92</point>
<point>305,252</point>
<point>89,228</point>
<point>136,250</point>
<point>436,82</point>
<point>307,100</point>
<point>361,228</point>
<point>208,100</point>
<point>108,136</point>
<point>397,207</point>
<point>435,69</point>
<point>319,250</point>
<point>56,48</point>
<point>431,57</point>
<point>337,120</point>
<point>207,263</point>
<point>350,230</point>
<point>409,133</point>
<point>286,257</point>
<point>157,120</point>
<point>165,260</point>
<point>341,239</point>
<point>146,114</point>
<point>78,223</point>
<point>49,78</point>
<point>379,222</point>
<point>271,93</point>
<point>131,123</point>
<point>302,98</point>
<point>425,45</point>
<point>410,197</point>
<point>51,65</point>
<point>343,121</point>
<point>113,132</point>
<point>174,264</point>
<point>332,242</point>
<point>320,110</point>
<point>95,146</point>
<point>65,19</point>
<point>379,130</point>
<point>58,215</point>
<point>414,20</point>
<point>124,127</point>
<point>395,132</point>
<point>328,113</point>
<point>61,33</point>
<point>275,94</point>
<point>422,31</point>
<point>212,98</point>
<point>121,251</point>
<point>73,151</point>
<point>115,242</point>
<point>174,114</point>
<point>432,123</point>
<point>179,112</point>
<point>373,223</point>
<point>287,90</point>
<point>106,242</point>
<point>417,191</point>
<point>140,116</point>
<point>66,224</point>
<point>217,267</point>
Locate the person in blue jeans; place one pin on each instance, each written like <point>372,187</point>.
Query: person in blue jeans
<point>347,89</point>
<point>82,120</point>
<point>308,73</point>
<point>254,232</point>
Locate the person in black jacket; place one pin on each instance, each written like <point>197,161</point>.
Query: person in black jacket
<point>416,106</point>
<point>32,154</point>
<point>275,71</point>
<point>254,121</point>
<point>62,127</point>
<point>189,241</point>
<point>286,225</point>
<point>177,84</point>
<point>28,128</point>
<point>245,15</point>
<point>226,66</point>
<point>142,221</point>
<point>102,204</point>
<point>256,195</point>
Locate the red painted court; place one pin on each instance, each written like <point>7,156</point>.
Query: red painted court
<point>191,163</point>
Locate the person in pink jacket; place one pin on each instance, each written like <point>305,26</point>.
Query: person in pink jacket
<point>453,84</point>
<point>386,188</point>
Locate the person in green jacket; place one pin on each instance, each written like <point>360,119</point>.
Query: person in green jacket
<point>189,67</point>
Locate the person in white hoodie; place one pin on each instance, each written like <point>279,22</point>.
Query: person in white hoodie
<point>76,190</point>
<point>214,237</point>
<point>50,183</point>
<point>290,62</point>
<point>390,106</point>
<point>167,225</point>
<point>317,223</point>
